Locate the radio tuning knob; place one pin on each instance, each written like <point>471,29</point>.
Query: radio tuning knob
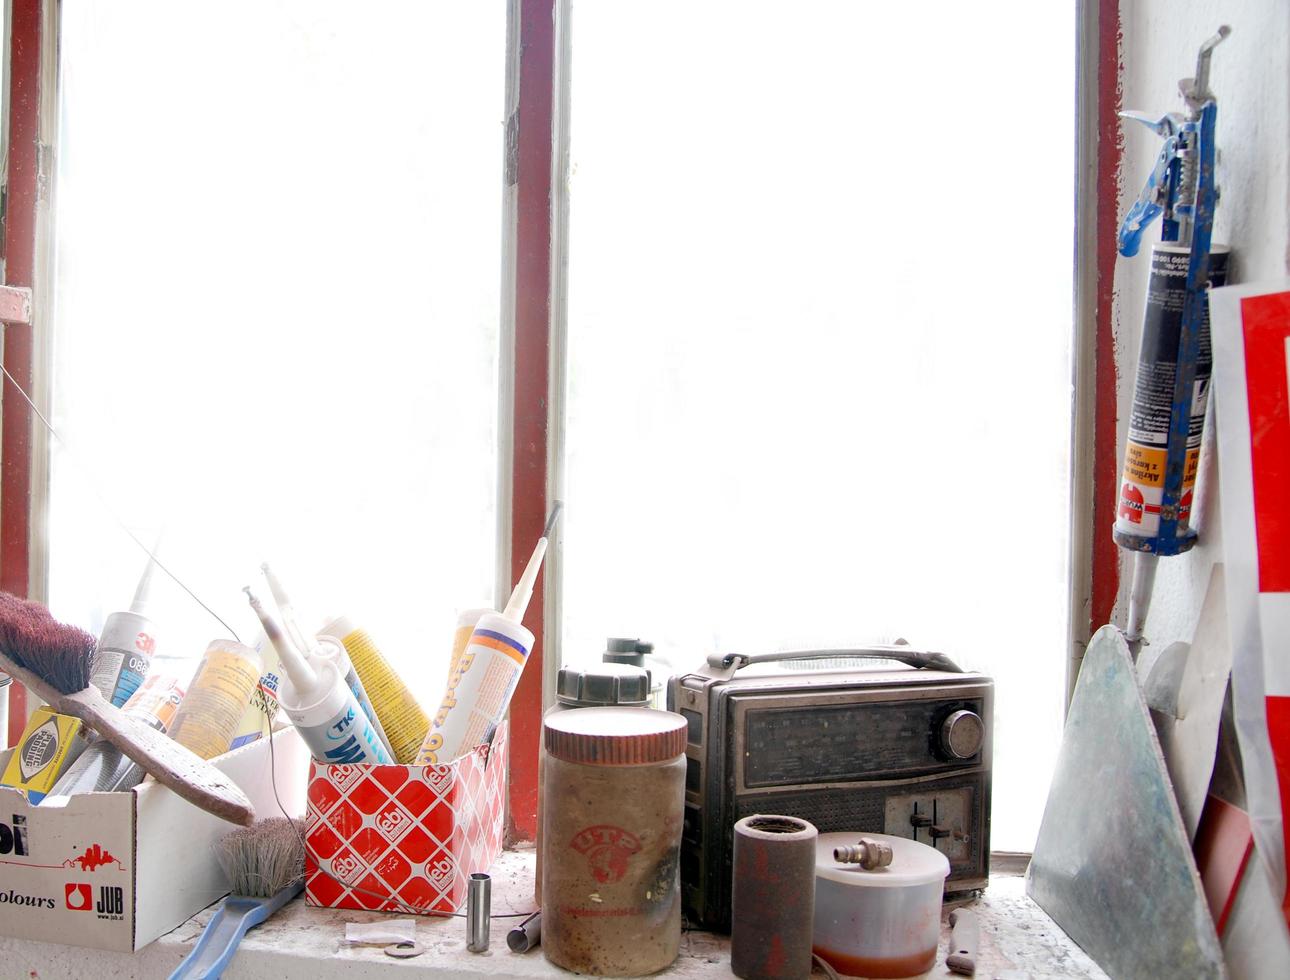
<point>962,734</point>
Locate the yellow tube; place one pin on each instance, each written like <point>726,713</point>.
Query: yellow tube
<point>461,638</point>
<point>208,715</point>
<point>404,722</point>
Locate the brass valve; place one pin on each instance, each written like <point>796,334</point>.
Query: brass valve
<point>869,854</point>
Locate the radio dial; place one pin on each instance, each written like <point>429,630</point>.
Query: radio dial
<point>962,734</point>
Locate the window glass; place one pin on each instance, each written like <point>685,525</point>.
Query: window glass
<point>819,341</point>
<point>278,258</point>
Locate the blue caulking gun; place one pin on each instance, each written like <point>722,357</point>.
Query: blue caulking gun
<point>1162,453</point>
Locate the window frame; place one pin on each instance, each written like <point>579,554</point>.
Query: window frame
<point>533,333</point>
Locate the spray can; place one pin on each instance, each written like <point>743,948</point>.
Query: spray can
<point>207,717</point>
<point>403,719</point>
<point>258,716</point>
<point>320,704</point>
<point>103,768</point>
<point>125,647</point>
<point>461,635</point>
<point>1137,520</point>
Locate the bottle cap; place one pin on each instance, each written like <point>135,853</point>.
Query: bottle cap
<point>617,736</point>
<point>602,684</point>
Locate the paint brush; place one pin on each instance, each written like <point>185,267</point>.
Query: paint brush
<point>54,661</point>
<point>265,865</point>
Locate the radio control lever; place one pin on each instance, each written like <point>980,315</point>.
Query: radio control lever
<point>962,734</point>
<point>921,820</point>
<point>938,831</point>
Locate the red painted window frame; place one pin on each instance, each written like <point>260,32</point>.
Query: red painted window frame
<point>531,285</point>
<point>24,66</point>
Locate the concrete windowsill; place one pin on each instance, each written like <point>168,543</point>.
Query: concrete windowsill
<point>1017,940</point>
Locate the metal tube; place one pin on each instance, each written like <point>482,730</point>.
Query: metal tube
<point>772,898</point>
<point>526,935</point>
<point>478,907</point>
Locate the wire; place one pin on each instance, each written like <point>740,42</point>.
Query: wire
<point>93,488</point>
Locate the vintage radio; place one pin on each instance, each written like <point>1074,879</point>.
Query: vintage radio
<point>830,737</point>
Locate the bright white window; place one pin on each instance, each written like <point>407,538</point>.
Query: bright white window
<point>819,326</point>
<point>277,311</point>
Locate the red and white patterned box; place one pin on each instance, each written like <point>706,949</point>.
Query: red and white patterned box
<point>404,838</point>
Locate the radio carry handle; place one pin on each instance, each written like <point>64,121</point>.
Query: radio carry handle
<point>728,663</point>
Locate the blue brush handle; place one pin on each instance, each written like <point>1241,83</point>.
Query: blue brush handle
<point>225,930</point>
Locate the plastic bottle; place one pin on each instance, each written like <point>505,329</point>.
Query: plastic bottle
<point>320,704</point>
<point>207,717</point>
<point>404,720</point>
<point>125,647</point>
<point>103,768</point>
<point>480,689</point>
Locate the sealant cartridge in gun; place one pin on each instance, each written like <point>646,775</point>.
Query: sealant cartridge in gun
<point>320,704</point>
<point>481,686</point>
<point>1166,423</point>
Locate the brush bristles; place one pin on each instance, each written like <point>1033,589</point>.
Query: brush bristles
<point>60,655</point>
<point>264,858</point>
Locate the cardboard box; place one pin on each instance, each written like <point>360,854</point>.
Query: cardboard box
<point>404,838</point>
<point>117,870</point>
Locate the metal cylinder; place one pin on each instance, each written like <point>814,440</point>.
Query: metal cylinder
<point>479,900</point>
<point>526,935</point>
<point>773,901</point>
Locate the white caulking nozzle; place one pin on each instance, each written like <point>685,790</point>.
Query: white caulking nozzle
<point>142,592</point>
<point>519,600</point>
<point>301,672</point>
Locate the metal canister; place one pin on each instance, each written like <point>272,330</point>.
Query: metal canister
<point>597,686</point>
<point>615,795</point>
<point>773,900</point>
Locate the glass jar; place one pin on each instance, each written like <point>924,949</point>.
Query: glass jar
<point>614,788</point>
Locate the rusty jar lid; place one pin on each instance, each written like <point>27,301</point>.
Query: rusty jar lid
<point>615,736</point>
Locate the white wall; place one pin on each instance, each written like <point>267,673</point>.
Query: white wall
<point>1251,79</point>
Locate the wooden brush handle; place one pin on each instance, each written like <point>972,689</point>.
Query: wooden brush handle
<point>188,775</point>
<point>43,690</point>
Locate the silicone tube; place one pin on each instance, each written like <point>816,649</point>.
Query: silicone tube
<point>207,717</point>
<point>330,721</point>
<point>479,690</point>
<point>331,649</point>
<point>403,719</point>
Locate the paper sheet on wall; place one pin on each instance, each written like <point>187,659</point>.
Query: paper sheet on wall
<point>1251,338</point>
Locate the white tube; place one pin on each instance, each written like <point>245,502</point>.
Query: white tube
<point>1144,580</point>
<point>330,721</point>
<point>331,649</point>
<point>319,704</point>
<point>479,691</point>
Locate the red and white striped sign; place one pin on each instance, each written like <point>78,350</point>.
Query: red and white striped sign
<point>1251,335</point>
